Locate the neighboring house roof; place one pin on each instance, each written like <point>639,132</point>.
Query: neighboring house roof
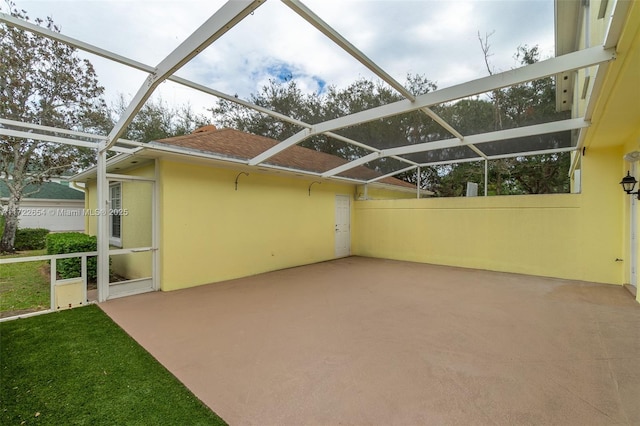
<point>48,191</point>
<point>240,145</point>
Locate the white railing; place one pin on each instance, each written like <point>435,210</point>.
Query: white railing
<point>53,279</point>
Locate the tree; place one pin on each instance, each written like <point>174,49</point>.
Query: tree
<point>533,103</point>
<point>520,105</point>
<point>157,120</point>
<point>412,127</point>
<point>43,82</point>
<point>543,174</point>
<point>282,97</point>
<point>286,98</point>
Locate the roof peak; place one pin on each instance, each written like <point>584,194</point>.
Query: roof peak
<point>207,128</point>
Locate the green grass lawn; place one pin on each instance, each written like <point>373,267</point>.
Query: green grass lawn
<point>77,367</point>
<point>24,286</point>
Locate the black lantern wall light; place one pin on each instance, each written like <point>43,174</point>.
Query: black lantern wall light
<point>628,183</point>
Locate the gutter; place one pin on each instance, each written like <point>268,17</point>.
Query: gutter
<point>75,185</point>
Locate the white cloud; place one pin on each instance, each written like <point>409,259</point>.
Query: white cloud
<point>449,20</point>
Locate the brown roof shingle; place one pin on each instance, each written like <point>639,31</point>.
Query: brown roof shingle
<point>240,145</point>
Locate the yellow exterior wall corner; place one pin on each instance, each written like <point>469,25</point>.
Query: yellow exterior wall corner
<point>571,236</point>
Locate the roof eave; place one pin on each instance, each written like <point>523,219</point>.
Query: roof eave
<point>568,15</point>
<point>156,150</point>
<point>92,171</point>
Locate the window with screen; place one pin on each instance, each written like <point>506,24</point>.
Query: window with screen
<point>115,218</point>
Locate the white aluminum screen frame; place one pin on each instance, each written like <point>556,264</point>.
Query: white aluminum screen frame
<point>233,12</point>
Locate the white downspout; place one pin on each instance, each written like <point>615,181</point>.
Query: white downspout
<point>587,44</point>
<point>486,177</point>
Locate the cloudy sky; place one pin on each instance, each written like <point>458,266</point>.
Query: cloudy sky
<point>437,39</point>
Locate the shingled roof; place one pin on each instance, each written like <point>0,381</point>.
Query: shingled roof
<point>244,146</point>
<point>47,190</point>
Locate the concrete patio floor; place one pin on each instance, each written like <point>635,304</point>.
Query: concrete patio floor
<point>361,341</point>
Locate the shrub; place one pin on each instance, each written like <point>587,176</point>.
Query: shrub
<point>31,239</point>
<point>73,242</point>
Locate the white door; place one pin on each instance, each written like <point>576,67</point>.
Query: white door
<point>343,226</point>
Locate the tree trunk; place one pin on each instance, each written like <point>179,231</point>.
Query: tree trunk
<point>10,226</point>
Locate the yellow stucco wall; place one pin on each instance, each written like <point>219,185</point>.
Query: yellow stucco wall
<point>512,234</point>
<point>573,236</point>
<point>616,123</point>
<point>602,215</point>
<point>90,202</point>
<point>210,232</point>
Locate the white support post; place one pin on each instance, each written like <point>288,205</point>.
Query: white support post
<point>155,208</point>
<point>83,275</point>
<point>103,225</point>
<point>54,274</point>
<point>418,183</point>
<point>486,176</point>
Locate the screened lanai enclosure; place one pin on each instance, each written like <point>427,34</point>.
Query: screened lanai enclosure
<point>579,70</point>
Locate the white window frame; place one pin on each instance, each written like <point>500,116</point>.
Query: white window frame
<point>115,205</point>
